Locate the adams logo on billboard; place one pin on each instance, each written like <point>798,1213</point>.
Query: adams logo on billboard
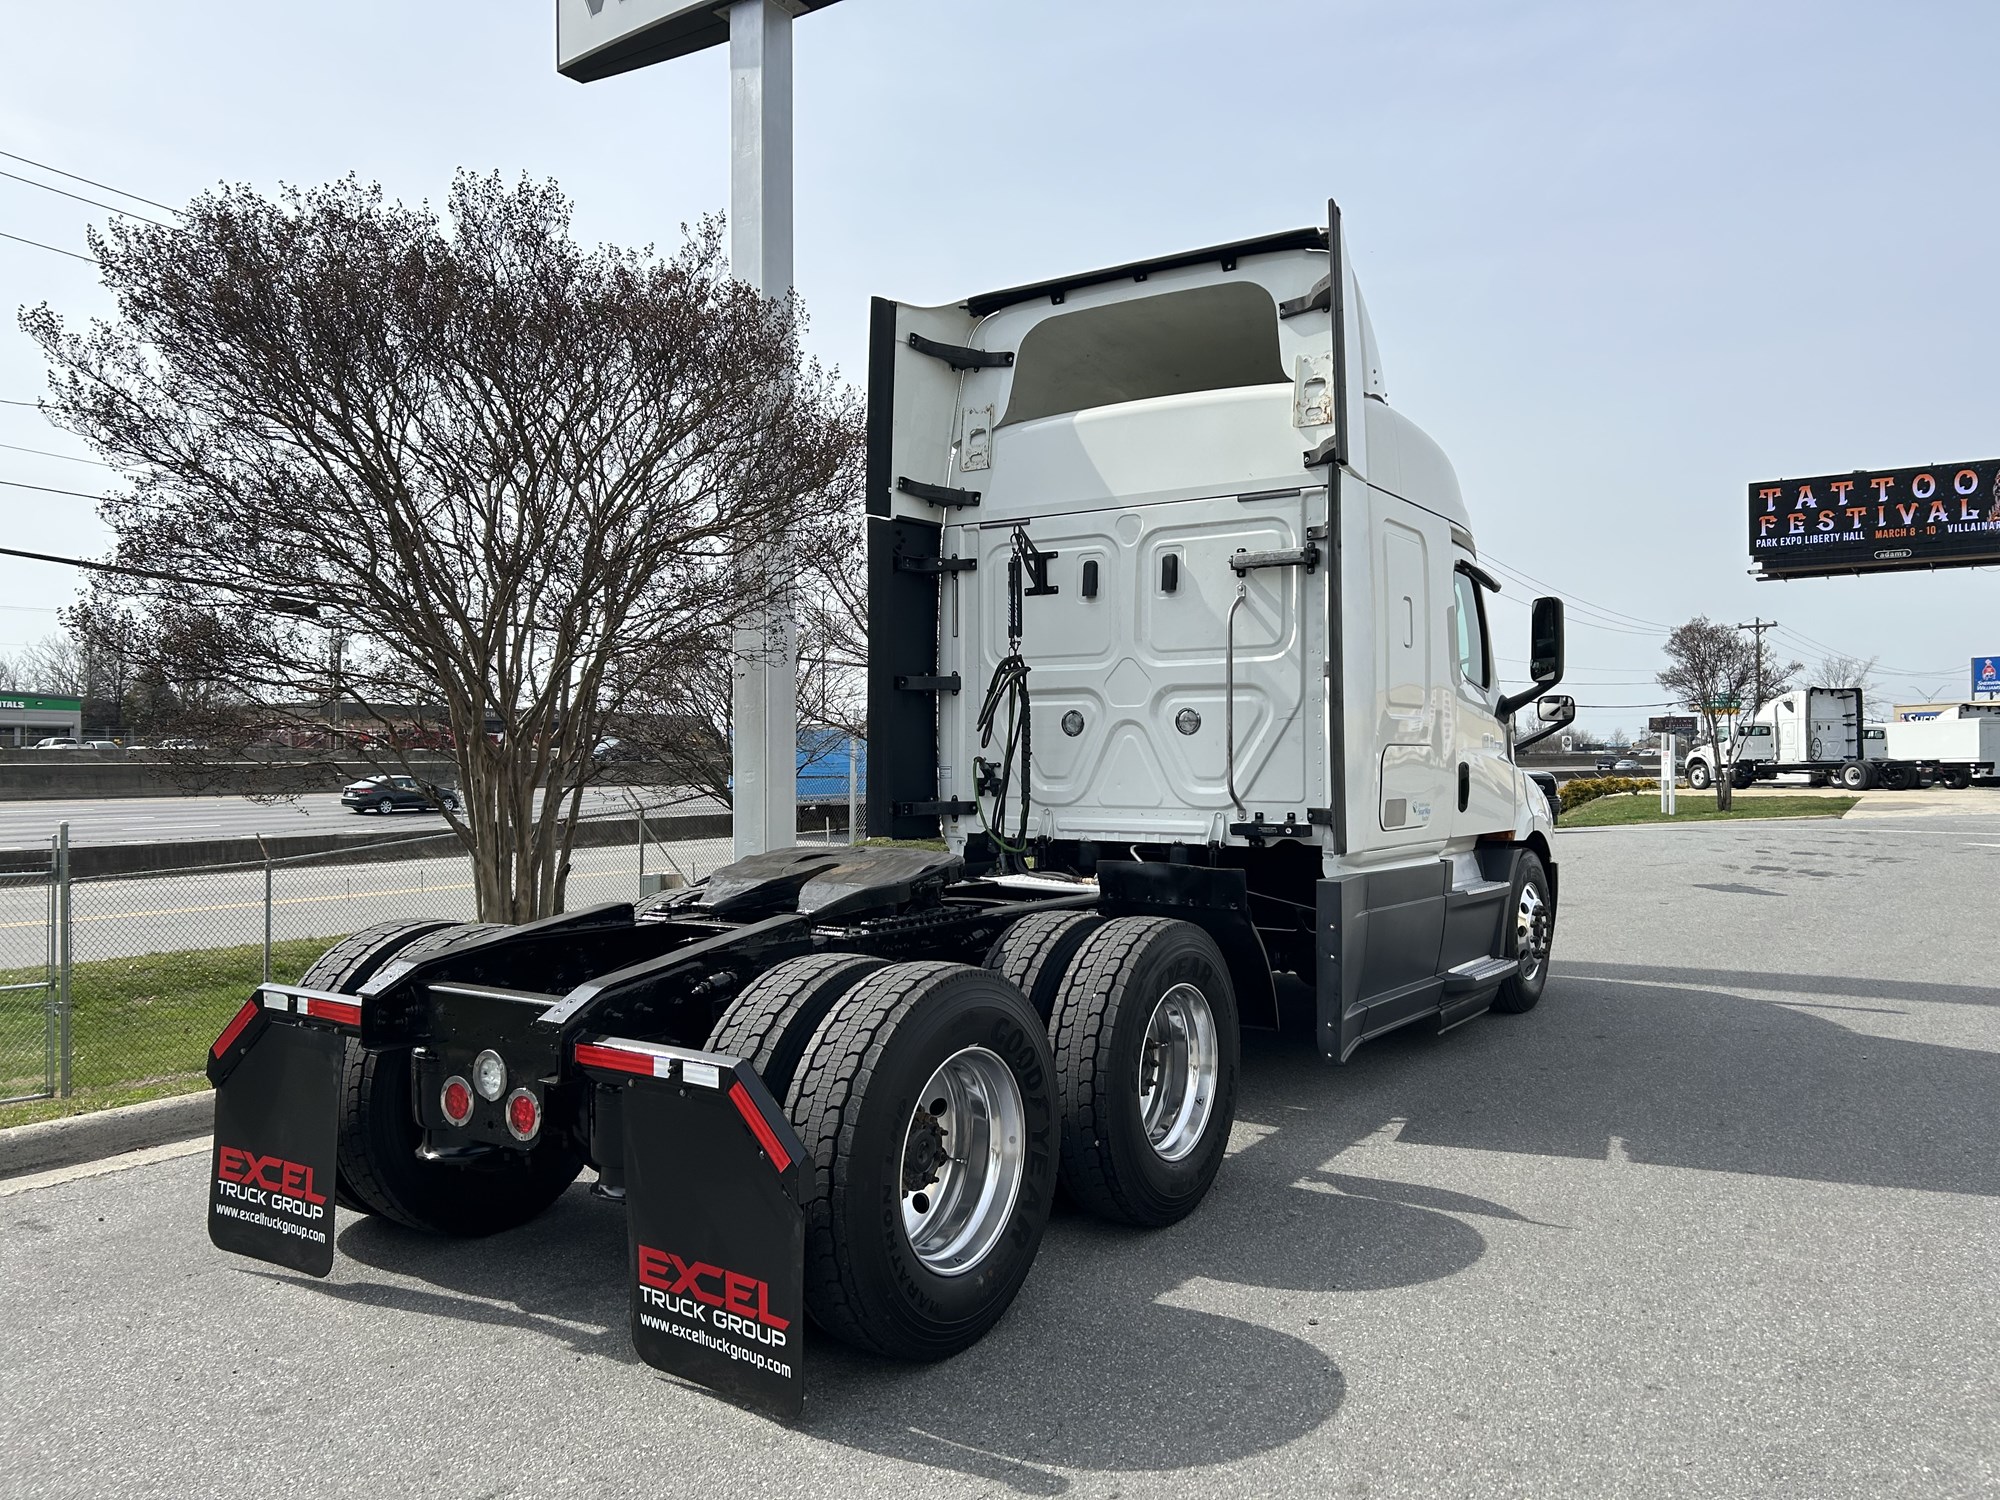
<point>1877,520</point>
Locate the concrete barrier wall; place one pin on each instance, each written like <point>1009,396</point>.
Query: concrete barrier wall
<point>369,848</point>
<point>30,776</point>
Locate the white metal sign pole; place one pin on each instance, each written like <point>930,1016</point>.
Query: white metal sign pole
<point>1667,773</point>
<point>765,692</point>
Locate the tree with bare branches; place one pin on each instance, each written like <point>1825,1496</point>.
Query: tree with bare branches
<point>393,457</point>
<point>1709,664</point>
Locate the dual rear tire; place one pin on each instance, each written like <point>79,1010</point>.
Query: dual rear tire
<point>939,1102</point>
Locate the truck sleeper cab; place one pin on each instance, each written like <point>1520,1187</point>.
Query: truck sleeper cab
<point>1179,648</point>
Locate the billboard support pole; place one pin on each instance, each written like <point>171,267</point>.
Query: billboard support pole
<point>765,687</point>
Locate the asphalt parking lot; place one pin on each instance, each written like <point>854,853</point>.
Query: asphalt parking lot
<point>1717,1219</point>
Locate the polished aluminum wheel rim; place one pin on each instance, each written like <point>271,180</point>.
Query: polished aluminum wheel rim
<point>1177,1072</point>
<point>1531,932</point>
<point>964,1154</point>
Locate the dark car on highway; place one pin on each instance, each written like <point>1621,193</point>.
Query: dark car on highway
<point>387,794</point>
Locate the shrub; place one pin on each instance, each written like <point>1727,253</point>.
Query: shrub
<point>1589,788</point>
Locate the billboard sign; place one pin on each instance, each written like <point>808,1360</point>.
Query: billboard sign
<point>1877,520</point>
<point>1684,724</point>
<point>599,38</point>
<point>1985,675</point>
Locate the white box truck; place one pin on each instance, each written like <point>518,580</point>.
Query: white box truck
<point>1818,733</point>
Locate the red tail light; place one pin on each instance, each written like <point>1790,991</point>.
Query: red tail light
<point>456,1100</point>
<point>524,1115</point>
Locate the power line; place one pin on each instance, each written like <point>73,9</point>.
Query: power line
<point>1606,611</point>
<point>23,240</point>
<point>45,453</point>
<point>45,489</point>
<point>78,197</point>
<point>5,402</point>
<point>278,600</point>
<point>90,181</point>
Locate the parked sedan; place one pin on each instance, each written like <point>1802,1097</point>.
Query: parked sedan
<point>387,794</point>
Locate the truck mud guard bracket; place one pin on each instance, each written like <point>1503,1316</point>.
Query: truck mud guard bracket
<point>1215,900</point>
<point>715,1186</point>
<point>961,358</point>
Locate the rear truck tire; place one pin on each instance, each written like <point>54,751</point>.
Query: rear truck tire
<point>380,1137</point>
<point>1955,778</point>
<point>771,1025</point>
<point>1895,778</point>
<point>1742,777</point>
<point>1698,776</point>
<point>1035,953</point>
<point>344,968</point>
<point>928,1104</point>
<point>1146,1047</point>
<point>1532,915</point>
<point>1854,775</point>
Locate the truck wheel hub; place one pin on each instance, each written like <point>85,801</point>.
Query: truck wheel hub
<point>963,1159</point>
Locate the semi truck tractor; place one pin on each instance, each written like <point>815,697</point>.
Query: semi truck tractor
<point>1818,733</point>
<point>1180,688</point>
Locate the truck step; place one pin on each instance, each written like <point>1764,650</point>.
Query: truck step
<point>1479,974</point>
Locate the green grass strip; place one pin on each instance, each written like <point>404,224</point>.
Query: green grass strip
<point>1699,807</point>
<point>140,1027</point>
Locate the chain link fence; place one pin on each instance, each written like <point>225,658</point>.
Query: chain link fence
<point>112,987</point>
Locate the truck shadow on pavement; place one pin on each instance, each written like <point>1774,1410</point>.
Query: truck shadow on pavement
<point>1799,1085</point>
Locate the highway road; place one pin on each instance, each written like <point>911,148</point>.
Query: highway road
<point>142,820</point>
<point>1720,1218</point>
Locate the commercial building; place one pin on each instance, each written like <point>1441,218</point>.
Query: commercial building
<point>27,717</point>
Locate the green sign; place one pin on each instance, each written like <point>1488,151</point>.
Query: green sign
<point>39,703</point>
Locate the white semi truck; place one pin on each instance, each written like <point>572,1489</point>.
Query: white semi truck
<point>1180,680</point>
<point>1819,733</point>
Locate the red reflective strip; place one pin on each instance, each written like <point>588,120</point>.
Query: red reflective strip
<point>335,1010</point>
<point>235,1028</point>
<point>759,1126</point>
<point>617,1059</point>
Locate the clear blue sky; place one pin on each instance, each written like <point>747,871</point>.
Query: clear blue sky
<point>1622,260</point>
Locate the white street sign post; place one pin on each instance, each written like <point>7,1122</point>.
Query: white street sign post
<point>601,38</point>
<point>1667,773</point>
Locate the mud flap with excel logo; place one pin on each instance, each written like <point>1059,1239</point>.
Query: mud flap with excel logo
<point>714,1182</point>
<point>277,1122</point>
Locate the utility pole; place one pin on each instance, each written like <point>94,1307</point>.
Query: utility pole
<point>1757,628</point>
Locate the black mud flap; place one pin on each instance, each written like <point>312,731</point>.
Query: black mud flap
<point>714,1182</point>
<point>277,1126</point>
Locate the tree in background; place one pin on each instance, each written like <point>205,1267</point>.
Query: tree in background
<point>397,458</point>
<point>1847,672</point>
<point>1708,665</point>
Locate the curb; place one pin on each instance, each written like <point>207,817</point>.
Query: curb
<point>49,1144</point>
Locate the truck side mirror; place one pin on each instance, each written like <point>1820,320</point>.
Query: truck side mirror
<point>1553,712</point>
<point>1545,642</point>
<point>1545,659</point>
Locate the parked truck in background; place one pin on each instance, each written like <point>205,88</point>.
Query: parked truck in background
<point>1819,733</point>
<point>1179,681</point>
